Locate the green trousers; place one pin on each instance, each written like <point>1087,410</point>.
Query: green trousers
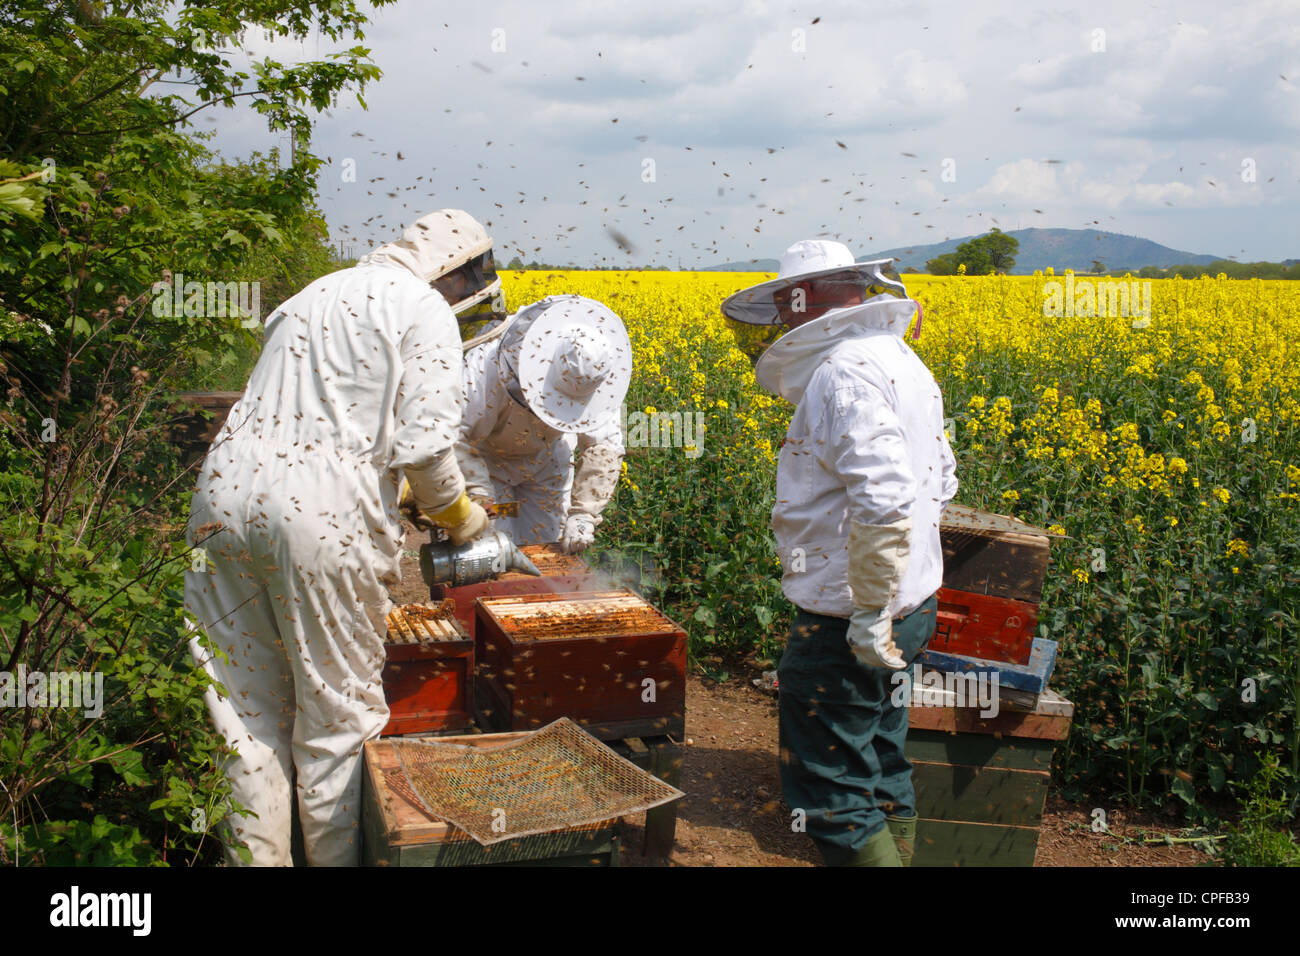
<point>841,735</point>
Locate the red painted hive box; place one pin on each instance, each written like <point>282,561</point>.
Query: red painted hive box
<point>429,675</point>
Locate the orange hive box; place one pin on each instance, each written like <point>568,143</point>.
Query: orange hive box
<point>428,678</point>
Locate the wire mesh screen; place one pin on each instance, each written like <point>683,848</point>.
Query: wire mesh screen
<point>551,779</point>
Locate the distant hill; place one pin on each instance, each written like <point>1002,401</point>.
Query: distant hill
<point>1039,248</point>
<point>753,265</point>
<point>1060,249</point>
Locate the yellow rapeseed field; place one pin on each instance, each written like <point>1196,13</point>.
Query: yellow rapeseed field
<point>1163,441</point>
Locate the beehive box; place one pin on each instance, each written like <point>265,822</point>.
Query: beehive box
<point>990,628</point>
<point>561,573</point>
<point>608,660</point>
<point>429,674</point>
<point>992,554</point>
<point>398,831</point>
<point>993,573</point>
<point>981,783</point>
<point>198,418</point>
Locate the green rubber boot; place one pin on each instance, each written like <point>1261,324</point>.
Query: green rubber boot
<point>903,830</point>
<point>880,850</point>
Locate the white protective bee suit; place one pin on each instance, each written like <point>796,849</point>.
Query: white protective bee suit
<point>295,508</point>
<point>568,361</point>
<point>865,447</point>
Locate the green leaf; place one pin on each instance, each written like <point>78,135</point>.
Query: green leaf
<point>130,767</point>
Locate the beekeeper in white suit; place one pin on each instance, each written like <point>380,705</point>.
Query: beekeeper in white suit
<point>862,478</point>
<point>547,388</point>
<point>296,513</point>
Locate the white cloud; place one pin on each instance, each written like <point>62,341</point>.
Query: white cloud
<point>1177,99</point>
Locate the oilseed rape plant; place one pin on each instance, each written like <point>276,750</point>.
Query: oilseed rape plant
<point>1165,446</point>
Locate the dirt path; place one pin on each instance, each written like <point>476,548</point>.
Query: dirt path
<point>733,814</point>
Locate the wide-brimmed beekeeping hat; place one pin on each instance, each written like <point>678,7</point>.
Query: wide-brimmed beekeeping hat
<point>440,243</point>
<point>572,359</point>
<point>806,260</point>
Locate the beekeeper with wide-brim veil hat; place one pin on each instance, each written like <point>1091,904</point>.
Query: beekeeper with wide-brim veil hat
<point>295,510</point>
<point>862,477</point>
<point>541,425</point>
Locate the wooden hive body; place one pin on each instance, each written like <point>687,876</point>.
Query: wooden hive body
<point>981,783</point>
<point>428,678</point>
<point>992,584</point>
<point>612,664</point>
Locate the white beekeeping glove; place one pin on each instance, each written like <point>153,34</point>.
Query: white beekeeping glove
<point>579,533</point>
<point>878,556</point>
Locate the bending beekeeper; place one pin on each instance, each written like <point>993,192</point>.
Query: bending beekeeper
<point>862,478</point>
<point>547,387</point>
<point>358,383</point>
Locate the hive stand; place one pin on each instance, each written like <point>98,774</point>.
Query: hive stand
<point>981,784</point>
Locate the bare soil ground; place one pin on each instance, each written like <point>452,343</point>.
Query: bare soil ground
<point>733,814</point>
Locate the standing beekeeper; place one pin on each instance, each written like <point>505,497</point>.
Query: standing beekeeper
<point>549,385</point>
<point>296,512</point>
<point>862,478</point>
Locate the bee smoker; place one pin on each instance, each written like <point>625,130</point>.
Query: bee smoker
<point>484,558</point>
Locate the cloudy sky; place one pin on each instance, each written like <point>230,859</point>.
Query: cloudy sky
<point>723,131</point>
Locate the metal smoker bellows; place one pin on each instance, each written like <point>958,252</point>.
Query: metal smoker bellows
<point>482,559</point>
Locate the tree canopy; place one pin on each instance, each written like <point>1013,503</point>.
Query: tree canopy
<point>994,253</point>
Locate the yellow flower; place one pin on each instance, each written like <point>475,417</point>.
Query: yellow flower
<point>1010,496</point>
<point>1081,575</point>
<point>1056,528</point>
<point>1222,494</point>
<point>1237,546</point>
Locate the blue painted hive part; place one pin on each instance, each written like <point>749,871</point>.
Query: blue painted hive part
<point>1031,677</point>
